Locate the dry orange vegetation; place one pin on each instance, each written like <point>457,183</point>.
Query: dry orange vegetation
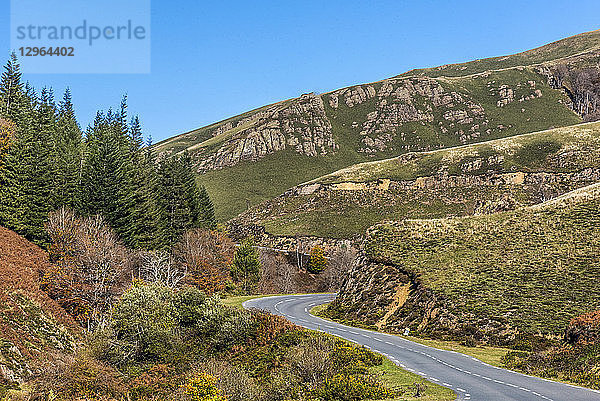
<point>33,328</point>
<point>22,264</point>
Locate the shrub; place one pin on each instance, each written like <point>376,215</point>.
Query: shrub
<point>79,377</point>
<point>584,328</point>
<point>157,382</point>
<point>317,262</point>
<point>233,380</point>
<point>145,317</point>
<point>203,388</point>
<point>311,360</point>
<point>153,323</point>
<point>90,268</point>
<point>206,256</point>
<point>270,327</point>
<point>350,359</point>
<point>344,387</point>
<point>245,268</point>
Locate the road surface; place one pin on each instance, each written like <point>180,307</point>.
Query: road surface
<point>470,378</point>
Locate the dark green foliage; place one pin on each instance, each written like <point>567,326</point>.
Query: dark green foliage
<point>184,203</point>
<point>107,171</point>
<point>246,265</point>
<point>68,149</point>
<point>105,178</point>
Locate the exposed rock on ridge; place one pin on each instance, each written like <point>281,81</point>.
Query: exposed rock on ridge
<point>300,124</point>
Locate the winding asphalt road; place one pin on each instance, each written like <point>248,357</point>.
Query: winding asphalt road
<point>470,378</point>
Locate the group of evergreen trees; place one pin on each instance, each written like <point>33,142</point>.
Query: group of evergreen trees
<point>105,170</point>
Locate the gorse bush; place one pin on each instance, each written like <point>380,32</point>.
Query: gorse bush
<point>344,387</point>
<point>318,261</point>
<point>204,388</point>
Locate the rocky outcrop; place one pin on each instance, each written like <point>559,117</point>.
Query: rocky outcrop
<point>408,100</point>
<point>289,244</point>
<point>444,181</point>
<point>369,297</point>
<point>300,124</point>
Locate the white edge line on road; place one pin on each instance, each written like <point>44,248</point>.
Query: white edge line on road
<point>244,304</point>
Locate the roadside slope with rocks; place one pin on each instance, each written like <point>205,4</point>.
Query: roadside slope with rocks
<point>495,279</point>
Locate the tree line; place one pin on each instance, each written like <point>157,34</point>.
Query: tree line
<point>47,161</point>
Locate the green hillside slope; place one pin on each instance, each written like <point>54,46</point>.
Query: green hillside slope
<point>476,179</point>
<point>255,156</point>
<point>571,47</point>
<point>494,276</point>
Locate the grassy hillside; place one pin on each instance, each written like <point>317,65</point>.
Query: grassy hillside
<point>257,155</point>
<point>449,182</point>
<point>560,49</point>
<point>533,268</point>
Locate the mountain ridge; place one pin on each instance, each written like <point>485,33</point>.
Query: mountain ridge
<point>420,110</point>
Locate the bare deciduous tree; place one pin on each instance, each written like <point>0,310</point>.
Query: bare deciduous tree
<point>158,267</point>
<point>90,265</point>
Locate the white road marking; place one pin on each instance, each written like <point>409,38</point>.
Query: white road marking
<point>362,333</point>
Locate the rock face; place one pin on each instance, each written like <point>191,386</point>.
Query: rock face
<point>409,100</point>
<point>300,124</point>
<point>541,180</point>
<point>369,295</point>
<point>418,111</point>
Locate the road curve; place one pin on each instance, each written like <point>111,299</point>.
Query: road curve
<point>470,378</point>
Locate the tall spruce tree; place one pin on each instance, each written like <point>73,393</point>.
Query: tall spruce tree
<point>13,108</point>
<point>104,176</point>
<point>11,89</point>
<point>68,146</point>
<point>37,174</point>
<point>146,215</point>
<point>184,202</point>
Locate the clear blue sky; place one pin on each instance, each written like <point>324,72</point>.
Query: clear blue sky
<point>215,59</point>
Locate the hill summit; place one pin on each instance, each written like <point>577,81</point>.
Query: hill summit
<point>257,155</point>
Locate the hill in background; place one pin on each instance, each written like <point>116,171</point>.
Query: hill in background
<point>257,155</point>
<point>483,178</point>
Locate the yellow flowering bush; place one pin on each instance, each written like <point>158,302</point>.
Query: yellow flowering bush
<point>203,388</point>
<point>345,387</point>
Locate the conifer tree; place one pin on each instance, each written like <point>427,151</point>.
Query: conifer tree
<point>173,200</point>
<point>105,181</point>
<point>15,189</point>
<point>37,174</point>
<point>146,215</point>
<point>245,268</point>
<point>68,145</point>
<point>11,89</point>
